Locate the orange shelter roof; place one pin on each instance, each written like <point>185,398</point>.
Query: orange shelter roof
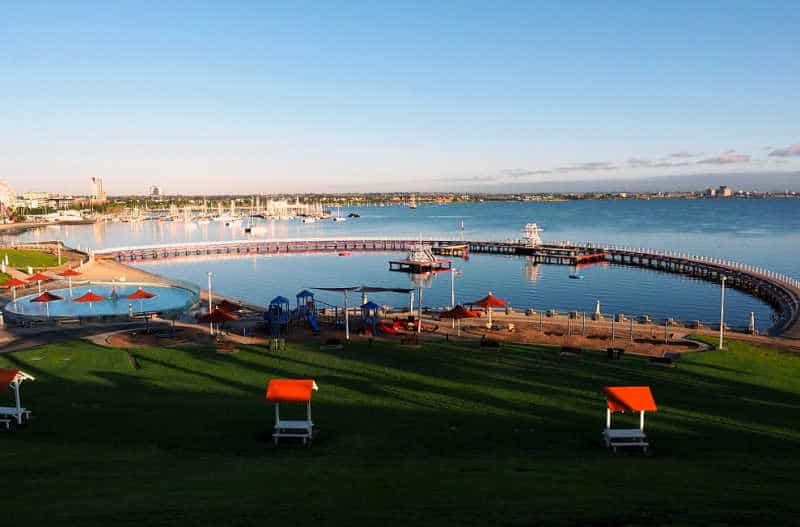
<point>290,390</point>
<point>630,398</point>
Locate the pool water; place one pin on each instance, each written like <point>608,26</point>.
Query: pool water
<point>167,299</point>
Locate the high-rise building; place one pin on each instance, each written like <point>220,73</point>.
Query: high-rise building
<point>98,196</point>
<point>155,191</point>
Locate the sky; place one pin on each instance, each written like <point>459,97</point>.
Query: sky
<point>246,97</point>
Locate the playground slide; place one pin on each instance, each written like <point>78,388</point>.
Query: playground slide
<point>312,320</point>
<point>387,328</point>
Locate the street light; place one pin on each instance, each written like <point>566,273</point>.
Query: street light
<point>722,311</point>
<point>210,323</point>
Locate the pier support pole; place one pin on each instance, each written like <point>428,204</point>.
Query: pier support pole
<point>583,324</point>
<point>631,329</point>
<point>541,322</point>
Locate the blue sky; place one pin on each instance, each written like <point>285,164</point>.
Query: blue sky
<point>264,97</point>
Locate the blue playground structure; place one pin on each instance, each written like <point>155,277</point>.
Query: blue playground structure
<point>277,316</point>
<point>370,316</point>
<point>305,304</point>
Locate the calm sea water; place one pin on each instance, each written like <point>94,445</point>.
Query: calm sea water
<point>759,232</point>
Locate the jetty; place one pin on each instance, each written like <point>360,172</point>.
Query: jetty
<point>780,291</point>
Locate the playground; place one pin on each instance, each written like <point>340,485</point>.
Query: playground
<point>447,434</point>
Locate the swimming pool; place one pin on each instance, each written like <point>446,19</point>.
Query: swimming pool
<point>168,300</point>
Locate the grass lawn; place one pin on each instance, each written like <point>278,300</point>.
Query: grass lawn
<point>22,258</point>
<point>443,435</point>
<point>4,277</point>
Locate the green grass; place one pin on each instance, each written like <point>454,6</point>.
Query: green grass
<point>22,258</point>
<point>4,277</point>
<point>443,435</point>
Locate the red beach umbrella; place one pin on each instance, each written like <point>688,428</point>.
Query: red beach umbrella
<point>46,298</point>
<point>217,316</point>
<point>228,306</point>
<point>69,273</point>
<point>39,278</point>
<point>488,302</point>
<point>13,283</point>
<point>140,294</point>
<point>89,297</point>
<point>457,313</point>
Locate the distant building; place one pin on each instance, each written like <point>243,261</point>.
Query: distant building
<point>156,192</point>
<point>724,192</point>
<point>711,192</point>
<point>8,199</point>
<point>97,196</point>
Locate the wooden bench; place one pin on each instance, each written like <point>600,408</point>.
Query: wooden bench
<point>615,353</point>
<point>571,351</point>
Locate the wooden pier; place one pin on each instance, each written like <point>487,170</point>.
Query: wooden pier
<point>781,292</point>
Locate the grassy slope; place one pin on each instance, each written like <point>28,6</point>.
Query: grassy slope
<point>22,258</point>
<point>442,435</point>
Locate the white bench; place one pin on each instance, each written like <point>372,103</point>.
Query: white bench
<point>303,429</point>
<point>625,437</point>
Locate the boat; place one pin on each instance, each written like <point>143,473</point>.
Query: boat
<point>339,216</point>
<point>576,276</point>
<point>309,219</point>
<point>412,203</point>
<point>344,253</point>
<point>354,215</point>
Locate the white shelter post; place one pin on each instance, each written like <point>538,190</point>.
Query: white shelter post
<point>641,420</point>
<point>18,399</point>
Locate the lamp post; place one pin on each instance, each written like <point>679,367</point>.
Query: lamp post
<point>722,311</point>
<point>210,323</point>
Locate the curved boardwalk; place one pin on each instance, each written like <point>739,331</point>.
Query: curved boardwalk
<point>782,292</point>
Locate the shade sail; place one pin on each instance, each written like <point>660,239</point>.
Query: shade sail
<point>369,289</point>
<point>290,390</point>
<point>46,297</point>
<point>140,294</point>
<point>365,289</point>
<point>38,277</point>
<point>279,300</point>
<point>14,282</point>
<point>89,297</point>
<point>10,376</point>
<point>490,301</point>
<point>459,312</point>
<point>217,316</point>
<point>305,293</point>
<point>630,398</point>
<point>69,272</point>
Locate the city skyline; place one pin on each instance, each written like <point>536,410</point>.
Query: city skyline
<point>357,97</point>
